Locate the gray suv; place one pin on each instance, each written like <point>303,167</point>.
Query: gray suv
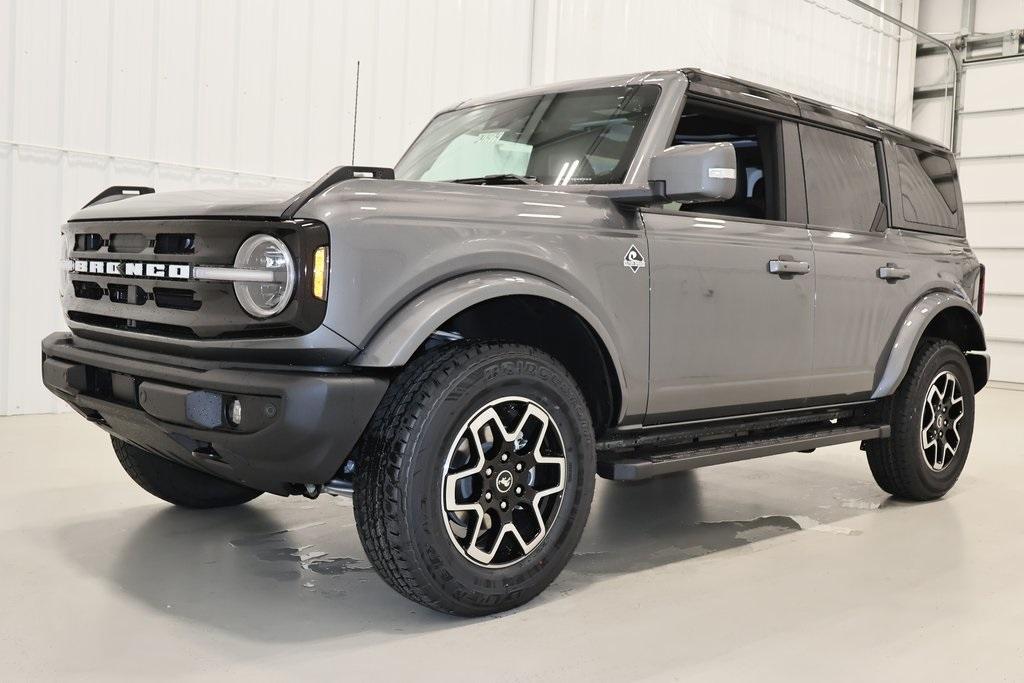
<point>623,277</point>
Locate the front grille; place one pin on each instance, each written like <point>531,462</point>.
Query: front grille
<point>88,290</point>
<point>88,241</point>
<point>175,243</point>
<point>127,294</point>
<point>131,325</point>
<point>163,297</point>
<point>181,299</point>
<point>123,297</point>
<point>127,243</point>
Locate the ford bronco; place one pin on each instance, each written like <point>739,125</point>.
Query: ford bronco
<point>622,277</point>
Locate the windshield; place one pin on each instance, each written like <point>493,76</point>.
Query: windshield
<point>582,137</point>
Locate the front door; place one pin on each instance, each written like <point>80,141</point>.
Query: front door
<point>728,335</point>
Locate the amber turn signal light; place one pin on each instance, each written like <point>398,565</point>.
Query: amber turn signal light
<point>320,274</point>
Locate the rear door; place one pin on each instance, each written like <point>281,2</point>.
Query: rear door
<point>861,269</point>
<point>728,335</point>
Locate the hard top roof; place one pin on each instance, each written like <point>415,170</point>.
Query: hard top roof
<point>752,95</point>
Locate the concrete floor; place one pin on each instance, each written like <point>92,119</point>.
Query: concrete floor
<point>794,567</point>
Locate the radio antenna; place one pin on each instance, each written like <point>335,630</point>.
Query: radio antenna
<point>355,115</point>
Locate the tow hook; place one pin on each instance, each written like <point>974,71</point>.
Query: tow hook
<point>335,487</point>
<point>338,487</point>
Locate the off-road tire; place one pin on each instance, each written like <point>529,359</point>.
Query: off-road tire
<point>400,466</point>
<point>177,484</point>
<point>898,463</point>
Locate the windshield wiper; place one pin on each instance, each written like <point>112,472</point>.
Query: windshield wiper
<point>498,179</point>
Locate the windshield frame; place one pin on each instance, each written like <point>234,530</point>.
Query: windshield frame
<point>669,89</point>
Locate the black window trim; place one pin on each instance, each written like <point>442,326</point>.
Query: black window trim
<point>770,117</point>
<point>881,168</point>
<point>917,226</point>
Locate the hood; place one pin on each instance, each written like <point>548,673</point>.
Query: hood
<point>355,197</point>
<point>193,204</point>
<point>370,201</point>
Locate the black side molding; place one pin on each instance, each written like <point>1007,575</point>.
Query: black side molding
<point>118,192</point>
<point>332,177</point>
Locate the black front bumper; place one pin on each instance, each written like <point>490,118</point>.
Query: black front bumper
<point>296,428</point>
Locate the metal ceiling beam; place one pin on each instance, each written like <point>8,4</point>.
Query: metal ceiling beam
<point>945,47</point>
<point>968,10</point>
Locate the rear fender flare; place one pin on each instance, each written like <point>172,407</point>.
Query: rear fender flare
<point>921,314</point>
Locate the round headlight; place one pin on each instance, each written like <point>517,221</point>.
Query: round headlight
<point>263,299</point>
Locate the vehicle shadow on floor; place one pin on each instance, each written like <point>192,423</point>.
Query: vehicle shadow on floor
<point>641,525</point>
<point>293,571</point>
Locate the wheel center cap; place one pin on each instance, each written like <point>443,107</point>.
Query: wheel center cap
<point>504,481</point>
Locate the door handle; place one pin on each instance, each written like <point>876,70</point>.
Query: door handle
<point>890,272</point>
<point>787,265</point>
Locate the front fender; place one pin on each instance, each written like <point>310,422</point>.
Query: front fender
<point>397,340</point>
<point>921,314</point>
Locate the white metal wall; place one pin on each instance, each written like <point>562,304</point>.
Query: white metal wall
<point>178,94</point>
<point>261,93</point>
<point>825,49</point>
<point>991,169</point>
<point>991,163</point>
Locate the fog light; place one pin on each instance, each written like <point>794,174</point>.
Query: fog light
<point>320,275</point>
<point>235,412</point>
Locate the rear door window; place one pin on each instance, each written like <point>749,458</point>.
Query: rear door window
<point>928,188</point>
<point>841,172</point>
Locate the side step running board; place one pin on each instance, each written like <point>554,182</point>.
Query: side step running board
<point>629,466</point>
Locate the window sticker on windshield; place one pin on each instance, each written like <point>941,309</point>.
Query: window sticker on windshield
<point>474,156</point>
<point>494,136</point>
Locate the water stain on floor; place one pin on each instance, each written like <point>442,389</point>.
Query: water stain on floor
<point>271,547</point>
<point>689,541</point>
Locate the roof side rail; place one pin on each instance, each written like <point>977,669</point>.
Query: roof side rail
<point>116,193</point>
<point>332,177</point>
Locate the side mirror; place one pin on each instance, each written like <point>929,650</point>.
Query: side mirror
<point>695,173</point>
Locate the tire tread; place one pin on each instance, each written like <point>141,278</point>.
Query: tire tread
<point>379,501</point>
<point>893,461</point>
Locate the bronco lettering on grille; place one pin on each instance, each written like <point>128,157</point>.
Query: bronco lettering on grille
<point>152,271</point>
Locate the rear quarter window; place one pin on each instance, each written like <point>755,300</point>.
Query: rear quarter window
<point>927,189</point>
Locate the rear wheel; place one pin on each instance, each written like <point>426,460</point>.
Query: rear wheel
<point>475,479</point>
<point>932,424</point>
<point>176,483</point>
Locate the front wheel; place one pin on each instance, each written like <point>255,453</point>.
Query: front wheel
<point>474,481</point>
<point>932,424</point>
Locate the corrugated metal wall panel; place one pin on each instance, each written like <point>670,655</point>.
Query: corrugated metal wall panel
<point>987,225</point>
<point>1007,359</point>
<point>993,16</point>
<point>181,94</point>
<point>798,45</point>
<point>1001,276</point>
<point>991,166</point>
<point>991,179</point>
<point>994,134</point>
<point>1004,316</point>
<point>989,86</point>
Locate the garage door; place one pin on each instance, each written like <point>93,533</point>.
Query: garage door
<point>992,175</point>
